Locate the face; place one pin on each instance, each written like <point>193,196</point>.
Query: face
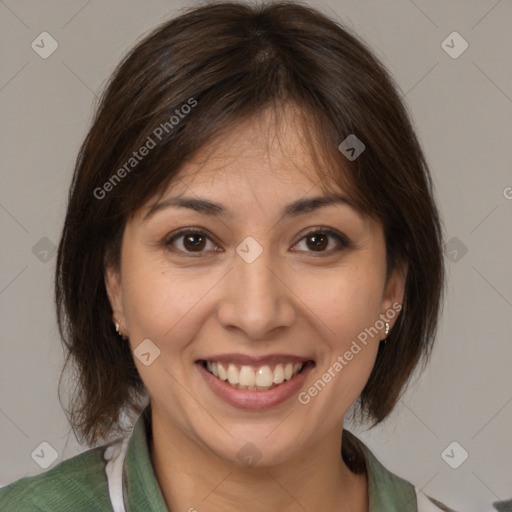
<point>263,312</point>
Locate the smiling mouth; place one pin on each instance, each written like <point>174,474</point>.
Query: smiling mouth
<point>255,378</point>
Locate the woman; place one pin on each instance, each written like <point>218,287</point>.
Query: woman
<point>251,247</point>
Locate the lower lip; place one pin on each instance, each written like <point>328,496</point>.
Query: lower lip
<point>256,400</point>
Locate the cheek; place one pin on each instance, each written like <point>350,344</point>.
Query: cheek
<point>161,305</point>
<point>166,310</point>
<point>347,321</point>
<point>344,305</point>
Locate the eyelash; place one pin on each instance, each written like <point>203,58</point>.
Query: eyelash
<point>342,240</point>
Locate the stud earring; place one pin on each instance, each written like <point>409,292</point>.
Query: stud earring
<point>387,329</point>
<point>118,331</point>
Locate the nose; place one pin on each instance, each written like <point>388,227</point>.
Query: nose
<point>256,298</point>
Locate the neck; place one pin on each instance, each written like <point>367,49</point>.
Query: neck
<point>192,478</point>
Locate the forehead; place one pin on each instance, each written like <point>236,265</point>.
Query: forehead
<point>264,151</point>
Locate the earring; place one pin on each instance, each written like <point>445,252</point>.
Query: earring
<point>118,331</point>
<point>386,332</point>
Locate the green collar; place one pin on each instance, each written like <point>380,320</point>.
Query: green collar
<point>386,490</point>
<point>142,492</point>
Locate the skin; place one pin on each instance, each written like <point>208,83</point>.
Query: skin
<point>291,299</point>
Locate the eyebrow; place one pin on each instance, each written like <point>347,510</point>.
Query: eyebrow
<point>206,207</point>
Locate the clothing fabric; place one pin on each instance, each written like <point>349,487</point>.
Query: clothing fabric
<point>119,477</point>
<point>503,506</point>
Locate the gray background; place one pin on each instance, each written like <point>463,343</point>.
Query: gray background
<point>462,111</point>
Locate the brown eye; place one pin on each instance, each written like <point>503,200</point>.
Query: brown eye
<point>194,241</point>
<point>320,241</point>
<point>317,242</point>
<point>190,241</point>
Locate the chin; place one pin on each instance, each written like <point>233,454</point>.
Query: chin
<point>256,446</point>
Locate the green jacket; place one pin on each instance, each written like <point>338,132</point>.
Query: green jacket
<point>91,481</point>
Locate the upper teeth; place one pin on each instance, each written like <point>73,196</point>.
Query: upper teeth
<point>249,377</point>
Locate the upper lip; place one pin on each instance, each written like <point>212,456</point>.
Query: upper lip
<point>243,359</point>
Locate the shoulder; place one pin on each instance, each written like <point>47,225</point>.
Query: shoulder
<point>388,491</point>
<point>76,484</point>
<point>503,506</point>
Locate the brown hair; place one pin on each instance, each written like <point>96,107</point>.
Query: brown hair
<point>228,62</point>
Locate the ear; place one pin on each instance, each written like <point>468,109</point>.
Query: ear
<point>115,297</point>
<point>393,296</point>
